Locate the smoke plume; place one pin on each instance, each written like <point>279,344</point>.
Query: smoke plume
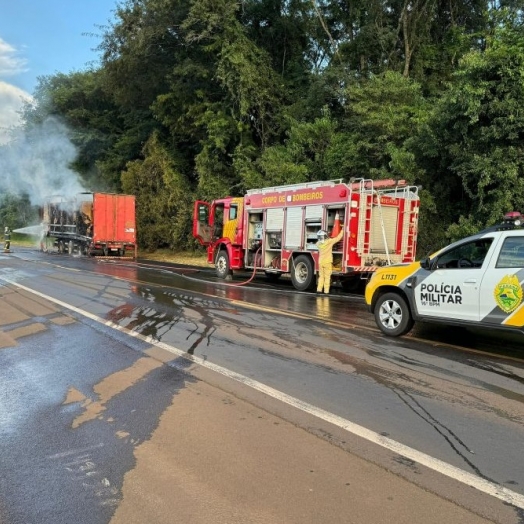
<point>37,163</point>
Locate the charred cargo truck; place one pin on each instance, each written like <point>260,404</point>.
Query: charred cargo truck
<point>274,230</point>
<point>90,224</point>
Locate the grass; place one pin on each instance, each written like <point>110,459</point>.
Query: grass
<point>22,240</point>
<point>190,258</point>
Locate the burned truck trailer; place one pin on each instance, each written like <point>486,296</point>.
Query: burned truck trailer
<point>90,224</point>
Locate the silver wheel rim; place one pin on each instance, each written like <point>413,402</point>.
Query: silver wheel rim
<point>390,314</point>
<point>301,272</point>
<point>221,264</point>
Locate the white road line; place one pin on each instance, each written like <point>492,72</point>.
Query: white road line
<point>474,481</point>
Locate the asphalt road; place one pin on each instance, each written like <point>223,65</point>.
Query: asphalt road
<point>132,393</point>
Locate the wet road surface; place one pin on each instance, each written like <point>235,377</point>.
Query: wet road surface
<point>461,407</point>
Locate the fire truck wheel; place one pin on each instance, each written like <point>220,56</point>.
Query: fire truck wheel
<point>222,264</point>
<point>392,315</point>
<point>302,273</point>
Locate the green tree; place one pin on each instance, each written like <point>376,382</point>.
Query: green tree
<point>139,52</point>
<point>243,69</point>
<point>163,198</point>
<point>473,147</point>
<point>16,212</point>
<point>94,122</point>
<point>302,158</point>
<point>381,115</point>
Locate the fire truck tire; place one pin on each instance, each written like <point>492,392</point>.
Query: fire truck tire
<point>222,266</point>
<point>302,273</point>
<point>392,315</point>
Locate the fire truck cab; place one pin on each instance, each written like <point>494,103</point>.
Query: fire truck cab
<point>274,229</point>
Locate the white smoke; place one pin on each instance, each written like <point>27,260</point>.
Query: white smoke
<point>37,163</point>
<point>12,100</point>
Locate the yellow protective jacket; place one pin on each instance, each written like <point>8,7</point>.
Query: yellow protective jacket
<point>325,249</point>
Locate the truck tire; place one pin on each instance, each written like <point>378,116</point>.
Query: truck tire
<point>392,315</point>
<point>302,273</point>
<point>222,266</point>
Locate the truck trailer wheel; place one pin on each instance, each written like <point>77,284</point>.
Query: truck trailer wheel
<point>222,266</point>
<point>302,273</point>
<point>392,315</point>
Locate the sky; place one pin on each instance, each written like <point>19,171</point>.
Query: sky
<point>41,38</point>
<point>45,37</point>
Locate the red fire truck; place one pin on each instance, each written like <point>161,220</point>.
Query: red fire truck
<point>274,229</point>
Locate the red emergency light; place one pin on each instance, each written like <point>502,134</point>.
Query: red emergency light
<point>513,217</point>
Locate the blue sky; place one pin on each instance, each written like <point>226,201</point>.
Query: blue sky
<point>44,37</point>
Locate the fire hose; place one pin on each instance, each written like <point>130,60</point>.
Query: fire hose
<point>252,275</point>
<point>233,283</point>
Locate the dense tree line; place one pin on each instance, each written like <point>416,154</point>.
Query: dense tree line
<point>198,99</point>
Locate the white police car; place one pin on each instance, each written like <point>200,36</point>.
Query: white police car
<point>476,281</point>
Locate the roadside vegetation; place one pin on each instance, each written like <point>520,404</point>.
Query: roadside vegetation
<point>189,258</point>
<point>198,99</point>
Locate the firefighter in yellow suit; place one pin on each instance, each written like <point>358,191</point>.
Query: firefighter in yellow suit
<point>325,259</point>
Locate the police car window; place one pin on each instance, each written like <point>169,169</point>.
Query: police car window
<point>512,253</point>
<point>469,255</point>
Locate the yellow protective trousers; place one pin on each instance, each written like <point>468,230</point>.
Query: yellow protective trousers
<point>324,277</point>
<point>325,262</point>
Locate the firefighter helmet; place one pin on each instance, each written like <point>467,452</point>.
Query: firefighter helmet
<point>322,234</point>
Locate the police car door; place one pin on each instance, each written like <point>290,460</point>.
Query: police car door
<point>501,298</point>
<point>451,289</point>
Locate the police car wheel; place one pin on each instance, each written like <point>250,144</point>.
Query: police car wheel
<point>392,315</point>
